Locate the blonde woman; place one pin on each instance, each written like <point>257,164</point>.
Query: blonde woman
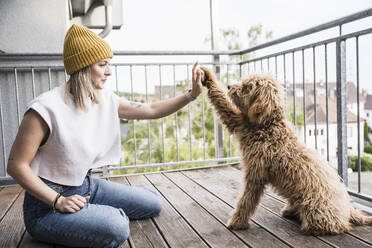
<point>68,131</point>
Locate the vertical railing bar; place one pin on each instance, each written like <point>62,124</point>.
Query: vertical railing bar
<point>116,80</point>
<point>227,79</point>
<point>341,110</point>
<point>326,85</point>
<point>248,68</point>
<point>17,95</point>
<point>254,67</point>
<point>285,85</point>
<point>276,67</point>
<point>294,90</point>
<point>261,66</point>
<point>33,82</point>
<point>189,109</point>
<point>315,107</point>
<point>50,78</point>
<point>175,114</point>
<point>162,119</point>
<point>3,137</point>
<point>148,121</point>
<point>2,134</point>
<point>117,93</point>
<point>240,66</point>
<point>304,92</point>
<point>358,102</point>
<point>203,122</point>
<point>240,71</point>
<point>133,121</point>
<point>268,65</point>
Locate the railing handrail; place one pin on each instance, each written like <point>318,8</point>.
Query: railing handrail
<point>338,22</point>
<point>58,56</point>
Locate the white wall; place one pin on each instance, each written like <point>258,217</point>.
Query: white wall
<point>368,116</point>
<point>352,139</point>
<point>36,26</point>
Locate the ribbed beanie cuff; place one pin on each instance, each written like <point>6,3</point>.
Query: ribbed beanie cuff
<point>82,48</point>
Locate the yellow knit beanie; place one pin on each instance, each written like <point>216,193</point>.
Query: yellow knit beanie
<point>82,48</point>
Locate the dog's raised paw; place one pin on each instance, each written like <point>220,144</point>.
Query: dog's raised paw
<point>209,76</point>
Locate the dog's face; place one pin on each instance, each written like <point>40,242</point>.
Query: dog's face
<point>258,97</point>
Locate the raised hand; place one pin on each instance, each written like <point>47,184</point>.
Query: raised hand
<point>197,78</point>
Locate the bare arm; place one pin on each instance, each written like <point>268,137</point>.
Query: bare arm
<point>229,114</point>
<point>32,132</point>
<point>141,111</point>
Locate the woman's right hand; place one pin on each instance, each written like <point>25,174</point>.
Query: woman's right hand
<point>71,204</point>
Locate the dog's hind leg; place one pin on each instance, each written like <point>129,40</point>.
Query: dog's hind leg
<point>357,218</point>
<point>246,206</point>
<point>290,211</point>
<point>322,221</point>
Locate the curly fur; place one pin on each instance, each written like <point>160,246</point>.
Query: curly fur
<point>271,154</point>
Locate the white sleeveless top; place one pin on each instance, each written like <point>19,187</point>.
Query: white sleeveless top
<point>78,140</point>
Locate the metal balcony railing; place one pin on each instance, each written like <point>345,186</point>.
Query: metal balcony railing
<point>323,101</point>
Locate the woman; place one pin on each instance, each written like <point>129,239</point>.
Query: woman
<point>68,131</point>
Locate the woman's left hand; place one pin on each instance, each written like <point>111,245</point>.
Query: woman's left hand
<point>197,78</point>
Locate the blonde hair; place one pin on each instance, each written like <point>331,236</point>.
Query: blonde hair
<point>81,88</point>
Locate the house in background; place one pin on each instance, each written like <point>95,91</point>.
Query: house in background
<point>317,137</point>
<point>368,110</point>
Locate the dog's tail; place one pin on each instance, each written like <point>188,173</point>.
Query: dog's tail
<point>357,218</point>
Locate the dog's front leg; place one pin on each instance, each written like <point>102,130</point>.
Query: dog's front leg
<point>246,206</point>
<point>228,113</point>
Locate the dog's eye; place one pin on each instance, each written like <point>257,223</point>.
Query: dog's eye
<point>246,88</point>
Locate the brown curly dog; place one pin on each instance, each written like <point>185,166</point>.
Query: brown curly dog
<point>271,154</point>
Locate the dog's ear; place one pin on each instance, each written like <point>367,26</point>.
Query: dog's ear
<point>263,104</point>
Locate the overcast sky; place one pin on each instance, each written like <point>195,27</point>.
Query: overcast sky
<point>185,25</point>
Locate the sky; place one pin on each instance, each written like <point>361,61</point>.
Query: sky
<point>185,24</point>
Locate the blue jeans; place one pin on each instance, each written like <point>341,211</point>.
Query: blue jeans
<point>104,220</point>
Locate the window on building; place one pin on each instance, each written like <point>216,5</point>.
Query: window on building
<point>367,114</point>
<point>310,132</point>
<point>321,132</point>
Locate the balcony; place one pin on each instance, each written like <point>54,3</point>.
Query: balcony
<point>196,206</point>
<point>198,201</point>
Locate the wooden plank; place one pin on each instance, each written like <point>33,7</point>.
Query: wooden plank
<point>12,227</point>
<point>126,244</point>
<point>173,227</point>
<point>143,232</point>
<point>8,195</point>
<point>212,231</point>
<point>275,205</point>
<point>29,242</point>
<point>255,237</point>
<point>229,191</point>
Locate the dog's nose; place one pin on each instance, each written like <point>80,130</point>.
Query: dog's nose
<point>228,87</point>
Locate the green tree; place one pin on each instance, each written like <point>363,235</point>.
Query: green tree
<point>177,135</point>
<point>366,132</point>
<point>299,114</point>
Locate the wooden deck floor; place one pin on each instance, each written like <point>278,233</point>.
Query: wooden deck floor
<point>196,207</point>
